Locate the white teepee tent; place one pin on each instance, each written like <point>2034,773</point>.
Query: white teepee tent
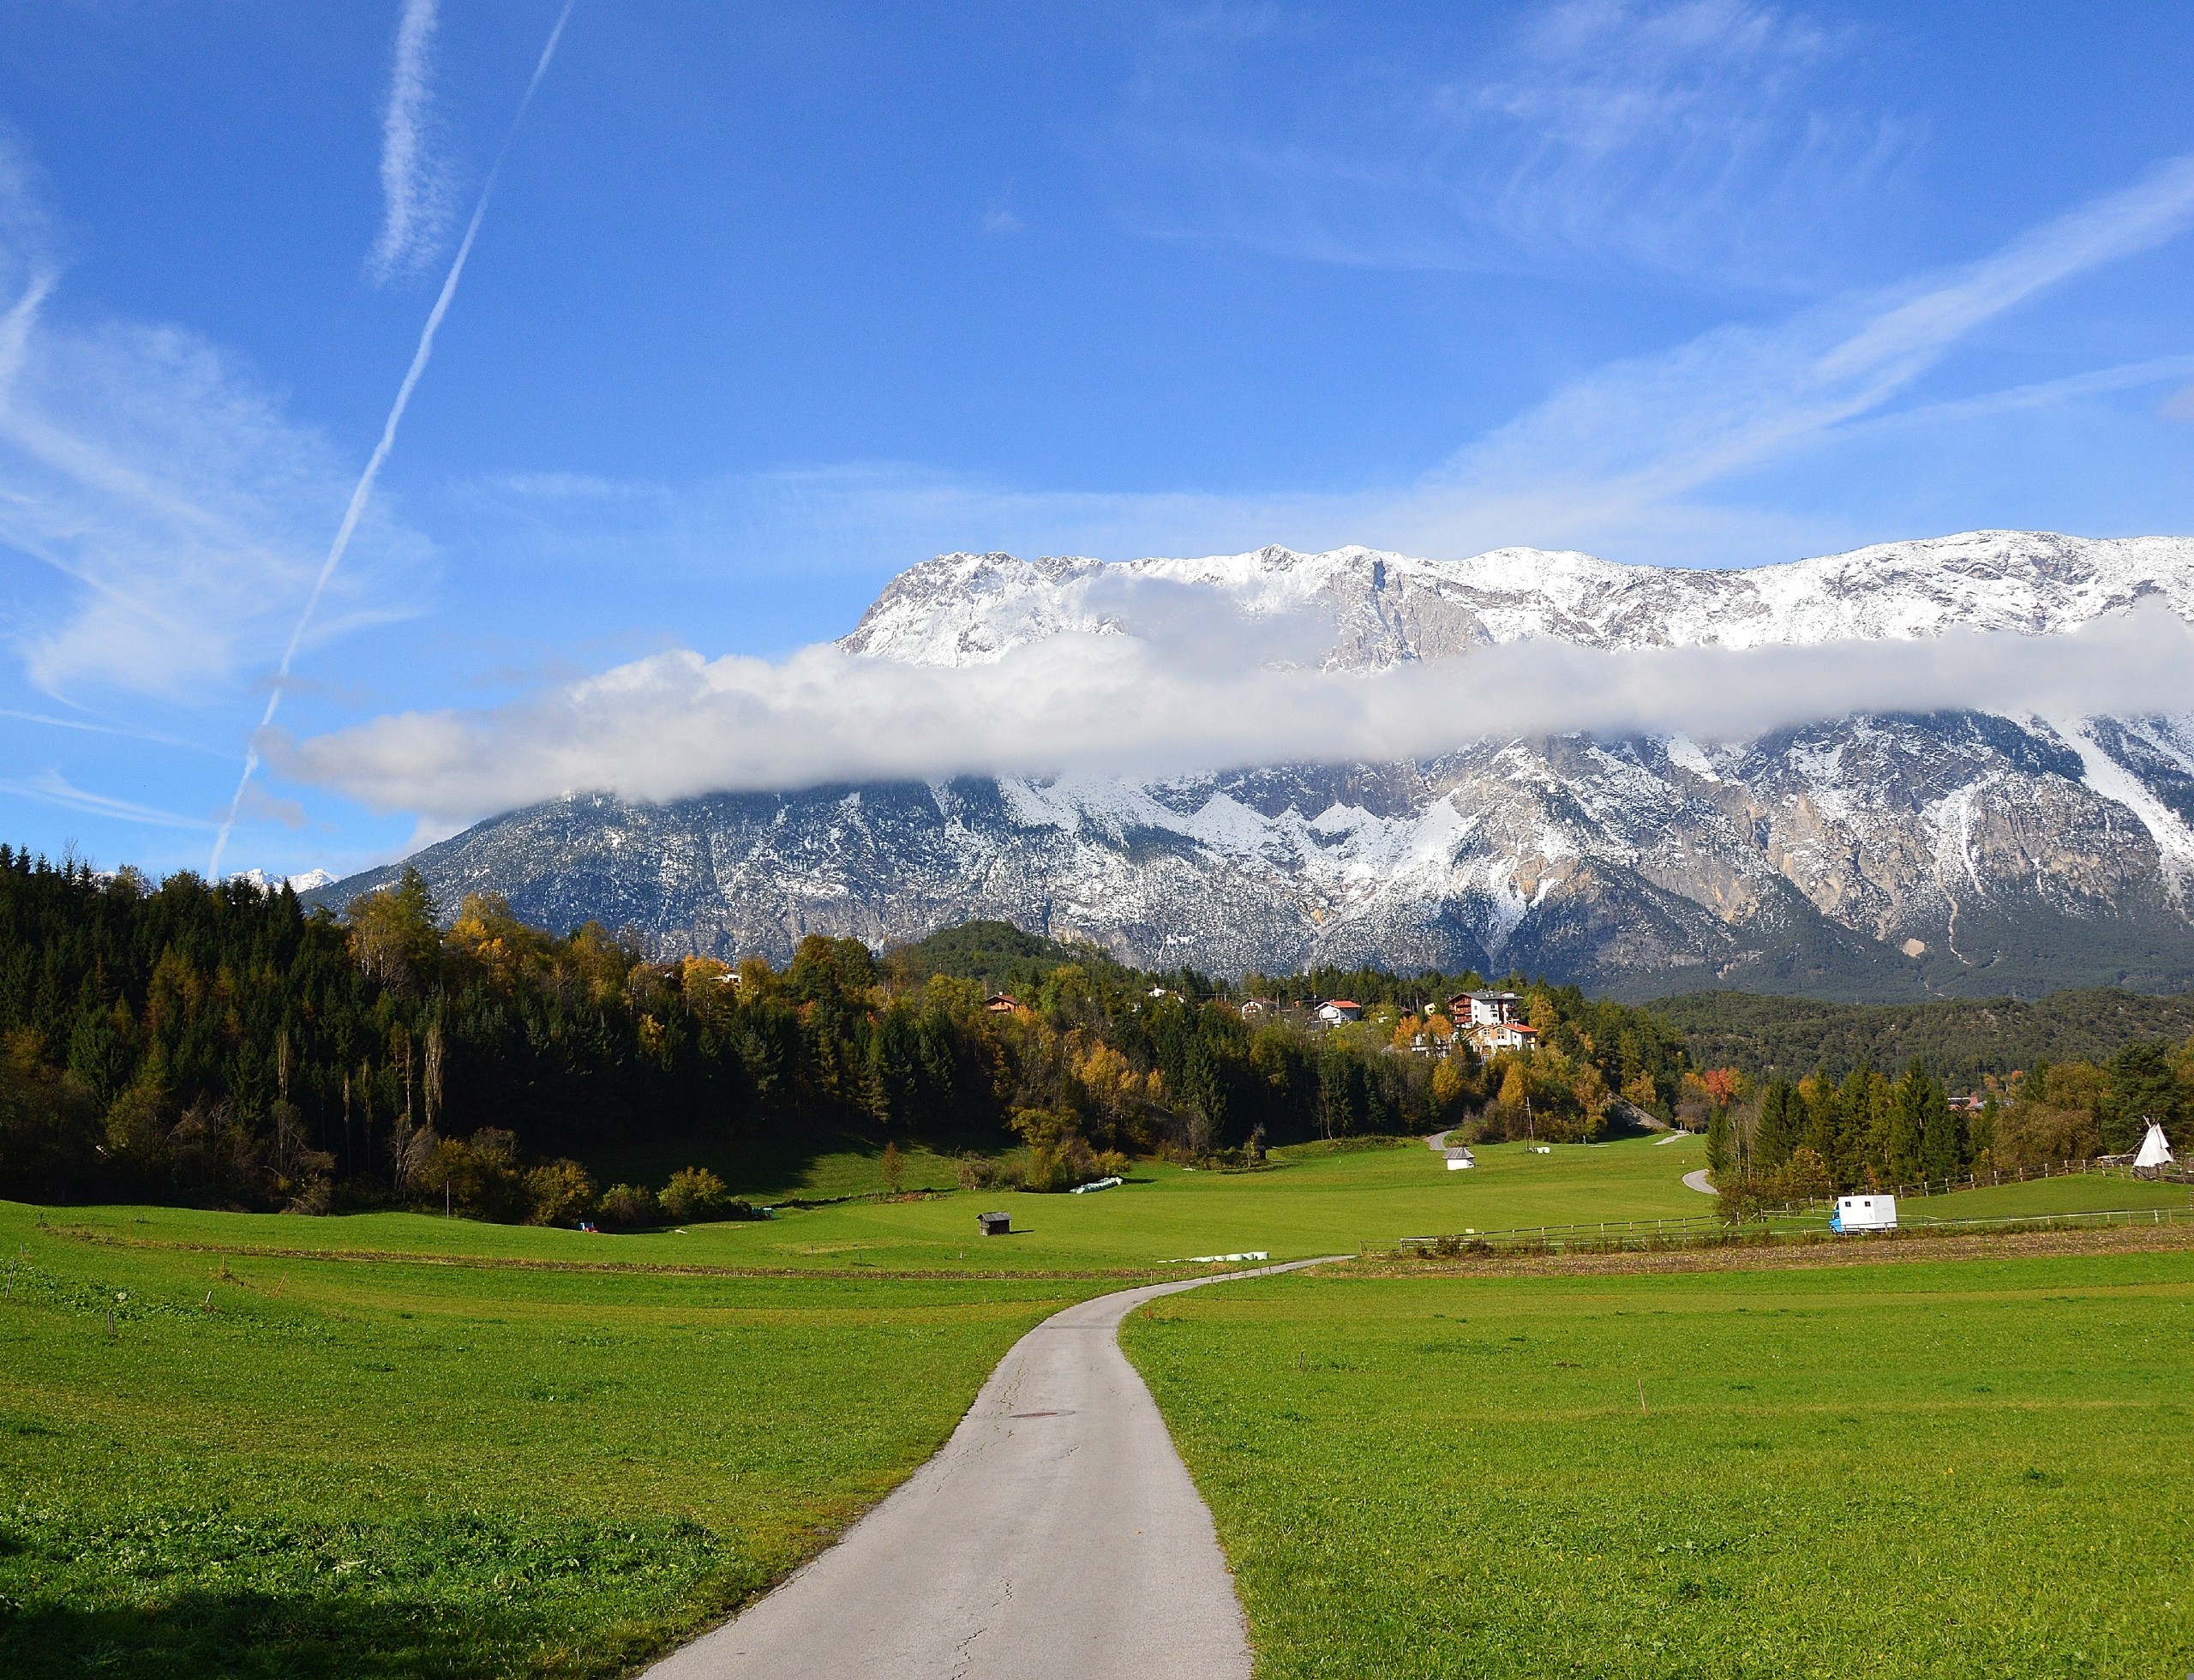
<point>2155,1150</point>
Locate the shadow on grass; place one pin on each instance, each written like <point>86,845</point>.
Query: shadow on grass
<point>781,1168</point>
<point>249,1634</point>
<point>143,1593</point>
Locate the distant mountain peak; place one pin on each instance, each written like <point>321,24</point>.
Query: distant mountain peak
<point>310,881</point>
<point>1885,857</point>
<point>1380,607</point>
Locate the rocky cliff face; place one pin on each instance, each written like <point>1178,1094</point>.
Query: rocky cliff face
<point>1872,857</point>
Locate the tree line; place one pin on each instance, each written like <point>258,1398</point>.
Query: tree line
<point>1961,1041</point>
<point>215,1044</point>
<point>1791,1141</point>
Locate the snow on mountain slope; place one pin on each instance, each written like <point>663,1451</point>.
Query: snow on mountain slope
<point>312,881</point>
<point>1870,856</point>
<point>1379,609</point>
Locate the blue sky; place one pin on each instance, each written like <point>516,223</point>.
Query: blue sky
<point>770,302</point>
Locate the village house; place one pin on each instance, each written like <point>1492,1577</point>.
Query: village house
<point>1491,1020</point>
<point>1491,1035</point>
<point>1484,1008</point>
<point>1003,1004</point>
<point>1336,1011</point>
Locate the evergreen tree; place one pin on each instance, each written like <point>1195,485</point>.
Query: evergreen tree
<point>1868,1100</point>
<point>1943,1152</point>
<point>1722,1145</point>
<point>1981,1131</point>
<point>1781,1125</point>
<point>197,1041</point>
<point>1830,1132</point>
<point>2143,1086</point>
<point>1904,1161</point>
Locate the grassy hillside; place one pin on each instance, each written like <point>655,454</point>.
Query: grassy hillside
<point>1957,1042</point>
<point>2084,1193</point>
<point>1317,1201</point>
<point>1899,1469</point>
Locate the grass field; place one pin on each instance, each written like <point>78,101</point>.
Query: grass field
<point>1905,1468</point>
<point>2081,1193</point>
<point>1314,1201</point>
<point>394,1445</point>
<point>394,1468</point>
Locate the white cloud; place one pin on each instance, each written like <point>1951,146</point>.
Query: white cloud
<point>49,787</point>
<point>177,505</point>
<point>678,725</point>
<point>1632,459</point>
<point>418,195</point>
<point>1708,136</point>
<point>183,509</point>
<point>1638,438</point>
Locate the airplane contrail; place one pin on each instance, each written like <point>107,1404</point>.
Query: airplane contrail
<point>365,485</point>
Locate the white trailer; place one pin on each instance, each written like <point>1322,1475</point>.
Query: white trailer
<point>1864,1213</point>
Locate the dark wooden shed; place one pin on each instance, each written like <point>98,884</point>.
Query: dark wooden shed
<point>995,1225</point>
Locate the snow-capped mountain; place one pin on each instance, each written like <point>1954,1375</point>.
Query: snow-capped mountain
<point>1381,609</point>
<point>312,881</point>
<point>1873,856</point>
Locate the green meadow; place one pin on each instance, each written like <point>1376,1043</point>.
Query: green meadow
<point>277,1466</point>
<point>396,1445</point>
<point>2084,1193</point>
<point>1905,1468</point>
<point>1312,1200</point>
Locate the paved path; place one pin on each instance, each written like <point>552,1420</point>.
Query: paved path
<point>1698,1181</point>
<point>1437,1141</point>
<point>1056,1536</point>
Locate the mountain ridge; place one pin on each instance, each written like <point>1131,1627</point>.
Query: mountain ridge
<point>1882,857</point>
<point>960,609</point>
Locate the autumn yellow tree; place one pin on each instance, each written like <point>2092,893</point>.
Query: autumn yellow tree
<point>393,935</point>
<point>1448,1084</point>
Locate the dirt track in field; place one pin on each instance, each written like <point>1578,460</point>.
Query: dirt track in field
<point>1794,1256</point>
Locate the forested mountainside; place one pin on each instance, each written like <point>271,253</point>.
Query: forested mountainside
<point>1865,859</point>
<point>1963,1042</point>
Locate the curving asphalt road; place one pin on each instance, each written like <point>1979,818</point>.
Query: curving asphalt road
<point>1056,1536</point>
<point>1698,1181</point>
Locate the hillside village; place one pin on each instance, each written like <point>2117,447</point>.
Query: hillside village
<point>1485,1021</point>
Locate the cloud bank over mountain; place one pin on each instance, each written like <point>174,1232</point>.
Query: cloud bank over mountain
<point>1121,672</point>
